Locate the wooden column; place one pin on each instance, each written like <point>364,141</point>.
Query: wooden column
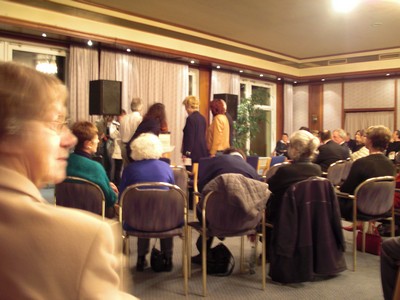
<point>204,91</point>
<point>315,108</point>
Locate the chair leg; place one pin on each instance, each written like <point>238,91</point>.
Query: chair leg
<point>263,252</point>
<point>354,245</point>
<point>242,270</point>
<point>189,251</point>
<point>185,261</point>
<point>204,262</point>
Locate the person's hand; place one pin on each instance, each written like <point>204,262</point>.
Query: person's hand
<point>212,155</point>
<point>114,187</point>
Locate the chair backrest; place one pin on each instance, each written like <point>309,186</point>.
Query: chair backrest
<point>253,161</point>
<point>375,195</point>
<point>153,207</point>
<point>80,193</point>
<point>338,171</point>
<point>271,171</point>
<point>181,177</point>
<point>277,160</point>
<point>199,169</point>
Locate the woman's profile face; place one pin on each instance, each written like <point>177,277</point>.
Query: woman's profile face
<point>45,147</point>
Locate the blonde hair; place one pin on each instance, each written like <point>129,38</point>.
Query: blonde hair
<point>191,102</point>
<point>146,146</point>
<point>26,95</point>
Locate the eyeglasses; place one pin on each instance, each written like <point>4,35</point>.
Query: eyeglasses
<point>57,126</point>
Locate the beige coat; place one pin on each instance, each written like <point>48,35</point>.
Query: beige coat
<point>50,252</point>
<point>218,134</point>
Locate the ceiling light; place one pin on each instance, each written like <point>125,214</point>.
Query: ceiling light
<point>44,35</point>
<point>388,74</point>
<point>240,71</point>
<point>344,6</point>
<point>295,82</point>
<point>192,61</point>
<point>261,75</point>
<point>279,78</point>
<point>323,79</point>
<point>218,67</point>
<point>90,43</point>
<point>128,50</point>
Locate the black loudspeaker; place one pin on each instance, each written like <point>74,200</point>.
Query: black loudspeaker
<point>231,103</point>
<point>105,97</point>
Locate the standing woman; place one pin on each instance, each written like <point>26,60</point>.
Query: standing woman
<point>218,132</point>
<point>49,252</point>
<point>194,144</point>
<point>80,163</point>
<point>154,121</point>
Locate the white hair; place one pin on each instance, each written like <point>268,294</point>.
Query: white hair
<point>146,146</point>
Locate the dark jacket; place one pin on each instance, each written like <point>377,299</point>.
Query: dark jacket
<point>307,238</point>
<point>194,137</point>
<point>330,153</point>
<point>284,177</point>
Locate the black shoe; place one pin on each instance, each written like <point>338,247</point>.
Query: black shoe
<point>196,259</point>
<point>168,265</point>
<point>141,263</point>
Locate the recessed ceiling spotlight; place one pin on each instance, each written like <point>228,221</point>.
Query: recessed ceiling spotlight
<point>295,82</point>
<point>44,35</point>
<point>192,61</point>
<point>279,78</point>
<point>240,71</point>
<point>388,74</point>
<point>323,79</point>
<point>261,75</point>
<point>128,50</point>
<point>90,43</point>
<point>218,67</point>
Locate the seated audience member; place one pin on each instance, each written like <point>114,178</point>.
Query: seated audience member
<point>394,145</point>
<point>48,252</point>
<point>232,160</point>
<point>390,261</point>
<point>282,146</point>
<point>358,141</point>
<point>301,150</point>
<point>218,132</point>
<point>362,150</point>
<point>329,151</point>
<point>373,165</point>
<point>352,144</point>
<point>339,137</point>
<point>146,167</point>
<point>81,165</point>
<point>154,121</point>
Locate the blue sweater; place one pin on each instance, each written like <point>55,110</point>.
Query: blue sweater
<point>93,171</point>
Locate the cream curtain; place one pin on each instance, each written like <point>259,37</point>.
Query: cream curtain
<point>224,83</point>
<point>362,120</point>
<point>83,67</point>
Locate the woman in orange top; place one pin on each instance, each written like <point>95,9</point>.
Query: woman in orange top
<point>218,132</point>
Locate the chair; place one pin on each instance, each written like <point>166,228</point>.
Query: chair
<point>198,172</point>
<point>222,215</point>
<point>277,160</point>
<point>307,239</point>
<point>338,171</point>
<point>155,210</point>
<point>271,171</point>
<point>373,200</point>
<point>253,160</point>
<point>76,192</point>
<point>181,177</point>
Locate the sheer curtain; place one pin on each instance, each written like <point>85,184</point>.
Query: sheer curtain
<point>362,120</point>
<point>83,67</point>
<point>224,83</point>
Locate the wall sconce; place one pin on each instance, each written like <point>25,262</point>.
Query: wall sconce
<point>314,118</point>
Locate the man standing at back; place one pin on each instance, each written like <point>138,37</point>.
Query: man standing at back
<point>128,126</point>
<point>329,151</point>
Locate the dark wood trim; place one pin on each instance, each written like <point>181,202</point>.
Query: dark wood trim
<point>376,109</point>
<point>315,106</point>
<point>204,92</point>
<point>343,112</point>
<point>280,105</point>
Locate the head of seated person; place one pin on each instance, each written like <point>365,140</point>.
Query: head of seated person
<point>235,151</point>
<point>302,146</point>
<point>146,146</point>
<point>88,139</point>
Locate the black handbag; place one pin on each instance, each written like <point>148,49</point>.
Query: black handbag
<point>157,259</point>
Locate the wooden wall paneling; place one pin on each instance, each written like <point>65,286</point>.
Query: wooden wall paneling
<point>279,109</point>
<point>315,106</point>
<point>204,91</point>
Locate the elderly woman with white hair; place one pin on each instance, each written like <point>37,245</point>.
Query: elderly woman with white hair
<point>146,167</point>
<point>301,150</point>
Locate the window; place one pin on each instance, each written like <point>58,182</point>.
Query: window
<point>193,82</point>
<point>264,142</point>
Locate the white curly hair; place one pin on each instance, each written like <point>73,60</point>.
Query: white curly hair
<point>146,146</point>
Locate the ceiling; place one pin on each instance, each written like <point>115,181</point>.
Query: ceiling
<point>300,29</point>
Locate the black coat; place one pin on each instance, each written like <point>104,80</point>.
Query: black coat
<point>330,153</point>
<point>194,137</point>
<point>307,237</point>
